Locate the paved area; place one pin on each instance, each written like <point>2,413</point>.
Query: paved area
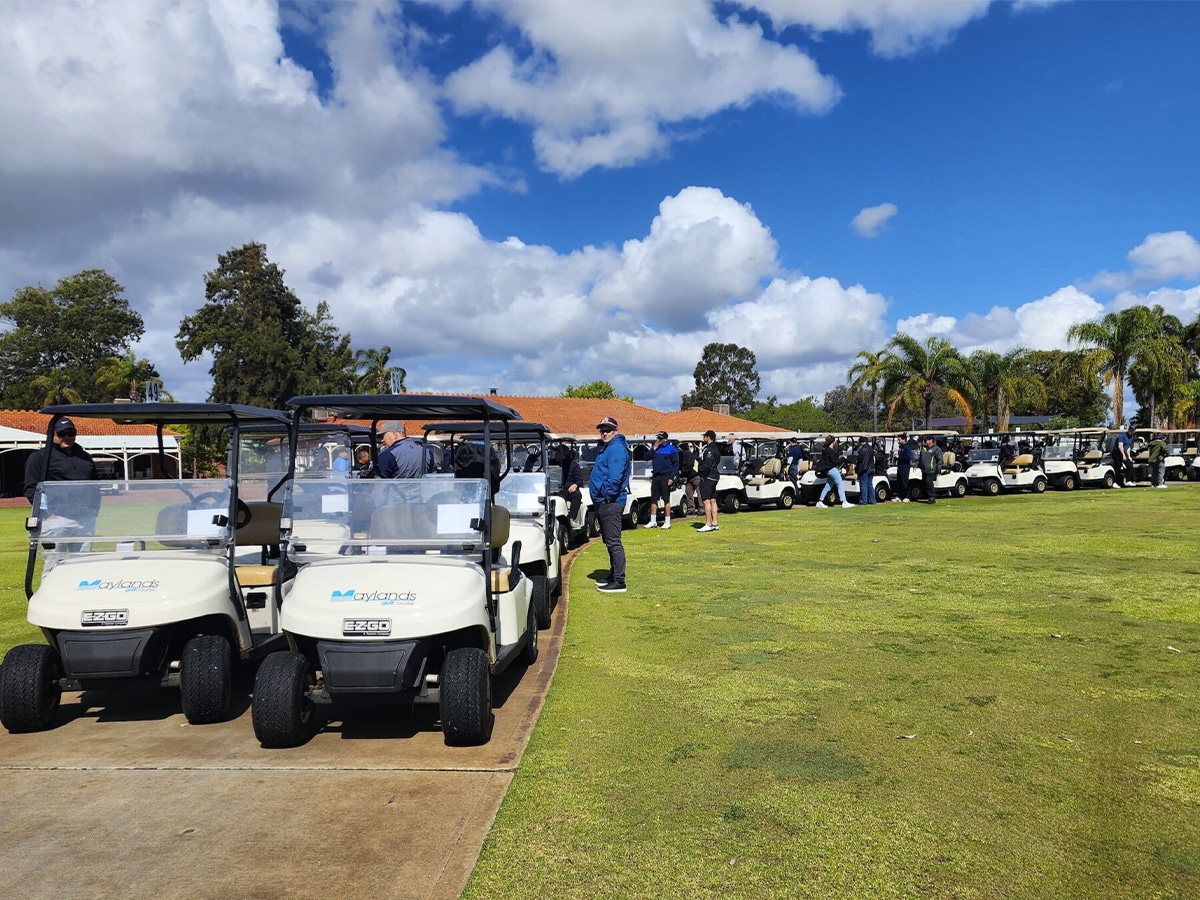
<point>125,799</point>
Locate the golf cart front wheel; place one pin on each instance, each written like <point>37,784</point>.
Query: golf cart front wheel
<point>882,493</point>
<point>1039,485</point>
<point>787,500</point>
<point>991,487</point>
<point>466,697</point>
<point>529,653</point>
<point>960,488</point>
<point>206,679</point>
<point>282,713</point>
<point>1067,483</point>
<point>732,503</point>
<point>30,690</point>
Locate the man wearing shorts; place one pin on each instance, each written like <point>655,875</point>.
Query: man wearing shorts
<point>664,466</point>
<point>710,465</point>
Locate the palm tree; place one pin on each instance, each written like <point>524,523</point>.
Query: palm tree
<point>1113,344</point>
<point>121,376</point>
<point>56,388</point>
<point>868,372</point>
<point>1004,381</point>
<point>915,372</point>
<point>377,376</point>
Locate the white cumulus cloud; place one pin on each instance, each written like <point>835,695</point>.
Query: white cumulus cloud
<point>1163,256</point>
<point>871,220</point>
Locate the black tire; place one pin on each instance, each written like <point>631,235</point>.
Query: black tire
<point>529,653</point>
<point>1109,479</point>
<point>731,502</point>
<point>1067,482</point>
<point>30,690</point>
<point>914,490</point>
<point>539,600</point>
<point>591,524</point>
<point>564,539</point>
<point>206,679</point>
<point>466,697</point>
<point>786,500</point>
<point>1039,485</point>
<point>282,712</point>
<point>882,493</point>
<point>960,489</point>
<point>991,487</point>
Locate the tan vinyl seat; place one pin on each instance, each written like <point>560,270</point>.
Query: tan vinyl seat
<point>1017,463</point>
<point>502,580</point>
<point>948,460</point>
<point>768,471</point>
<point>262,530</point>
<point>1091,458</point>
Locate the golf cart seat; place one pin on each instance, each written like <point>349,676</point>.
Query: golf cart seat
<point>768,471</point>
<point>803,467</point>
<point>262,530</point>
<point>1017,463</point>
<point>505,575</point>
<point>1091,458</point>
<point>949,458</point>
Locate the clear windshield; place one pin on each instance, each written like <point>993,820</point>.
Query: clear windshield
<point>640,468</point>
<point>335,516</point>
<point>984,455</point>
<point>1058,452</point>
<point>523,493</point>
<point>101,516</point>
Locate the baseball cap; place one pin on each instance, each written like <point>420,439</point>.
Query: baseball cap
<point>390,425</point>
<point>63,425</point>
<point>607,422</point>
<point>662,435</point>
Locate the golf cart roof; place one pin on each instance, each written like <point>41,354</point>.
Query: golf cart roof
<point>520,430</point>
<point>170,413</point>
<point>405,406</point>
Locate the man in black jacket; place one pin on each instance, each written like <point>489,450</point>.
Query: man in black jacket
<point>710,474</point>
<point>931,465</point>
<point>67,462</point>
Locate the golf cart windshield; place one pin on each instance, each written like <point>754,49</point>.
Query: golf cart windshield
<point>107,517</point>
<point>523,493</point>
<point>1060,451</point>
<point>984,455</point>
<point>335,516</point>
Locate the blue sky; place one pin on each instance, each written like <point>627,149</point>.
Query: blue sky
<point>528,195</point>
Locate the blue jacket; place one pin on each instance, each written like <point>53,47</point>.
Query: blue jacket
<point>609,481</point>
<point>665,461</point>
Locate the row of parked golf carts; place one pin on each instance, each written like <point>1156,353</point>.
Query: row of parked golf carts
<point>344,590</point>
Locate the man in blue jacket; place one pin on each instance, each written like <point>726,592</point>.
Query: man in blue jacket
<point>664,466</point>
<point>609,487</point>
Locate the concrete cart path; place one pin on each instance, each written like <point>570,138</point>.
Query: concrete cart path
<point>128,800</point>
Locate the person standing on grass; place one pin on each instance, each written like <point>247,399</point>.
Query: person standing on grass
<point>865,463</point>
<point>1156,456</point>
<point>904,461</point>
<point>931,464</point>
<point>609,487</point>
<point>1122,457</point>
<point>829,464</point>
<point>795,454</point>
<point>710,474</point>
<point>664,466</point>
<point>690,478</point>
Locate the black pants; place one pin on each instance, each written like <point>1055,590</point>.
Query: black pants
<point>902,481</point>
<point>609,517</point>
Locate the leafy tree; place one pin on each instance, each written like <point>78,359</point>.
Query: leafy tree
<point>915,372</point>
<point>847,410</point>
<point>1111,345</point>
<point>595,390</point>
<point>867,373</point>
<point>801,416</point>
<point>1071,394</point>
<point>1162,367</point>
<point>202,449</point>
<point>726,373</point>
<point>60,337</point>
<point>265,346</point>
<point>1002,380</point>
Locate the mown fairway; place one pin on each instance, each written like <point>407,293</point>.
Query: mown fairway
<point>989,698</point>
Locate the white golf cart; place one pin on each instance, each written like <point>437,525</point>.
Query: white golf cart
<point>1058,459</point>
<point>402,593</point>
<point>952,478</point>
<point>1005,462</point>
<point>765,477</point>
<point>1093,457</point>
<point>537,514</point>
<point>159,581</point>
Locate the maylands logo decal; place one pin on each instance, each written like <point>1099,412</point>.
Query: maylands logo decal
<point>123,586</point>
<point>386,598</point>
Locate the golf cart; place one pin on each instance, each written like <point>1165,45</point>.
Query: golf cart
<point>1006,462</point>
<point>1093,457</point>
<point>402,593</point>
<point>1176,463</point>
<point>537,514</point>
<point>852,480</point>
<point>159,581</point>
<point>765,477</point>
<point>1058,459</point>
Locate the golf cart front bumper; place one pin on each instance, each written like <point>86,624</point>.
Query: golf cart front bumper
<point>395,668</point>
<point>91,657</point>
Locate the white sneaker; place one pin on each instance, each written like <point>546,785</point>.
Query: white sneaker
<point>706,528</point>
<point>666,524</point>
<point>895,499</point>
<point>1115,485</point>
<point>905,500</point>
<point>846,505</point>
<point>651,525</point>
<point>821,505</point>
<point>1163,486</point>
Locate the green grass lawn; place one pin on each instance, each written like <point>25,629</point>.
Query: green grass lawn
<point>989,698</point>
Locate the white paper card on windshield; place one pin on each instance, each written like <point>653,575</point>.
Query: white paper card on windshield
<point>528,502</point>
<point>455,518</point>
<point>200,523</point>
<point>335,503</point>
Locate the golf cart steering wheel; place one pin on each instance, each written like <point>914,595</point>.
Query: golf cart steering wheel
<point>241,517</point>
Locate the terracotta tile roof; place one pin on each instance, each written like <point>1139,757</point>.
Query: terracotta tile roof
<point>29,420</point>
<point>578,416</point>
